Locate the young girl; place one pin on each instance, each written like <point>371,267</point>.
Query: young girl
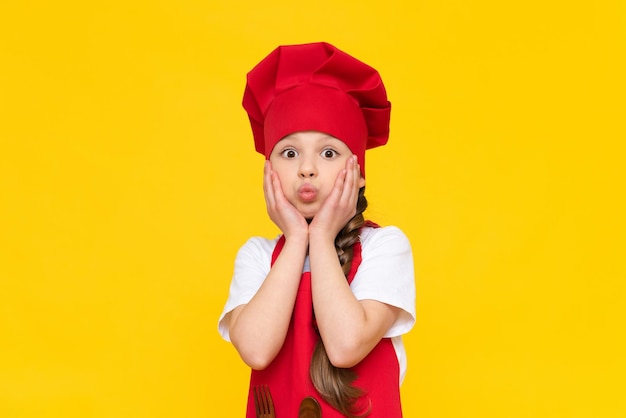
<point>318,312</point>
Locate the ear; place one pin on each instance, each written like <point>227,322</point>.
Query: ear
<point>361,181</point>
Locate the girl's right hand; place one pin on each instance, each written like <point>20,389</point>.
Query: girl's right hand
<point>281,212</point>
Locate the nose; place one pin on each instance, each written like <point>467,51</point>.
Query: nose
<point>307,173</point>
<point>307,169</point>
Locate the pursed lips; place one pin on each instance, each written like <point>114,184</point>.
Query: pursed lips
<point>307,192</point>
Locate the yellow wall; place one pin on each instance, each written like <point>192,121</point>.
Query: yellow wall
<point>128,180</point>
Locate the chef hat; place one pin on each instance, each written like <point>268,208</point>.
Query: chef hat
<point>316,87</point>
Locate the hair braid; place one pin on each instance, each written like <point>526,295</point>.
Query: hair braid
<point>333,383</point>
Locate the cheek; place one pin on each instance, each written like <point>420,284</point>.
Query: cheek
<point>278,166</point>
<point>281,169</point>
<point>283,176</point>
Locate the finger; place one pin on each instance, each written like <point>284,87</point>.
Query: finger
<point>268,189</point>
<point>331,203</point>
<point>282,204</point>
<point>350,187</point>
<point>357,172</point>
<point>277,189</point>
<point>353,192</point>
<point>357,179</point>
<point>340,184</point>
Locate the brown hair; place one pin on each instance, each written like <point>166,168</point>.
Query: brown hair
<point>334,384</point>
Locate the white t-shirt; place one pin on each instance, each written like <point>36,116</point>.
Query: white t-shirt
<point>385,274</point>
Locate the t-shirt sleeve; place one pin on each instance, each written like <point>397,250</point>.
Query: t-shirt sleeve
<point>252,265</point>
<point>386,274</point>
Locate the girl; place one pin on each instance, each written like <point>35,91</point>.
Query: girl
<point>318,312</point>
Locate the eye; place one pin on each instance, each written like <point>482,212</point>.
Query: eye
<point>329,153</point>
<point>289,153</point>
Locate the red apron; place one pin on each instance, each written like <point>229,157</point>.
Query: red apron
<point>288,374</point>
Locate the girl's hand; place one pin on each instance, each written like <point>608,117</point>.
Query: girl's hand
<point>281,212</point>
<point>340,206</point>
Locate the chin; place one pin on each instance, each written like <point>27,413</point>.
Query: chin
<point>308,214</point>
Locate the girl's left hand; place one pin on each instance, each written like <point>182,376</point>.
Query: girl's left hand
<point>340,206</point>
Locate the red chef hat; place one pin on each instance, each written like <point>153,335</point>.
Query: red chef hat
<point>316,87</point>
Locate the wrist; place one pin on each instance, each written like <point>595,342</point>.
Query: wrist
<point>321,237</point>
<point>300,237</point>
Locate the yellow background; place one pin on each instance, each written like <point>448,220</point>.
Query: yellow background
<point>128,181</point>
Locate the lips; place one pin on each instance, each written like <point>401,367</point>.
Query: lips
<point>307,193</point>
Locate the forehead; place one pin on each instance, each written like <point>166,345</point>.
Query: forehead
<point>311,138</point>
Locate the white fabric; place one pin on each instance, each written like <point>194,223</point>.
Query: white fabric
<point>385,274</point>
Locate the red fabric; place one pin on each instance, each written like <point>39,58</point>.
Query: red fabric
<point>288,375</point>
<point>316,87</point>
